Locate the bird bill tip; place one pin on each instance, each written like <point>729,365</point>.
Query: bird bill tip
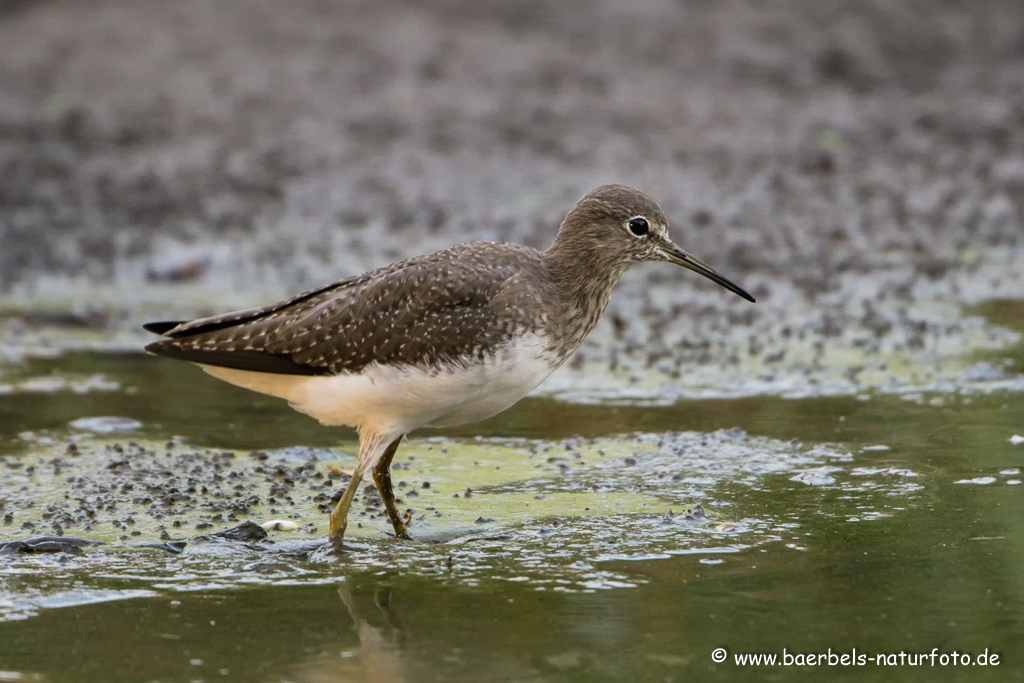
<point>681,258</point>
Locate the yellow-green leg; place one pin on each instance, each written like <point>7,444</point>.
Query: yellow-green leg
<point>339,516</point>
<point>382,478</point>
<point>373,448</point>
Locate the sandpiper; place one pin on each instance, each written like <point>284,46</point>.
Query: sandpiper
<point>433,341</point>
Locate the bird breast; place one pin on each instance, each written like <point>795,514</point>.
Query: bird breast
<point>400,398</point>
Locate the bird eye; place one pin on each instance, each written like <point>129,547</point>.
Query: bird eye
<point>639,226</point>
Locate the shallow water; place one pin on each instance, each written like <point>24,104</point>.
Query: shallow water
<point>881,523</point>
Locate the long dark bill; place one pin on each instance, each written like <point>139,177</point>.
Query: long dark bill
<point>679,257</point>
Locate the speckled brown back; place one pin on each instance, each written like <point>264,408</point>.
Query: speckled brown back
<point>440,309</point>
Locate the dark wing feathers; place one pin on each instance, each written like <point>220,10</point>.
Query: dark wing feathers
<point>240,360</point>
<point>161,327</point>
<point>434,308</point>
<point>219,322</point>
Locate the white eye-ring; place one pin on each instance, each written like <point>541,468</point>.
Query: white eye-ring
<point>639,226</point>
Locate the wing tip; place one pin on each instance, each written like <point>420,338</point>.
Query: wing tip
<point>160,327</point>
<point>238,360</point>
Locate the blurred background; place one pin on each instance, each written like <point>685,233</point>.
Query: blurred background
<point>258,145</point>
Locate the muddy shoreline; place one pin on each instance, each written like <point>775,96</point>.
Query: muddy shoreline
<point>144,144</point>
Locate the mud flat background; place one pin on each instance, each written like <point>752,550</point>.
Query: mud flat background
<point>858,166</point>
<point>833,467</point>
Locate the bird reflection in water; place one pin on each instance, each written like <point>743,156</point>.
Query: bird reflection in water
<point>378,656</point>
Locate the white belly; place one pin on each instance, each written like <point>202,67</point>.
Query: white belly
<point>399,399</point>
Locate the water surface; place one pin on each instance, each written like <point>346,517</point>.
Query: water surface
<point>885,523</point>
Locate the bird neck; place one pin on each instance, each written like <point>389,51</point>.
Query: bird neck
<point>584,272</point>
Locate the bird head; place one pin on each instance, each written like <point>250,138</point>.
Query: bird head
<point>620,226</point>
